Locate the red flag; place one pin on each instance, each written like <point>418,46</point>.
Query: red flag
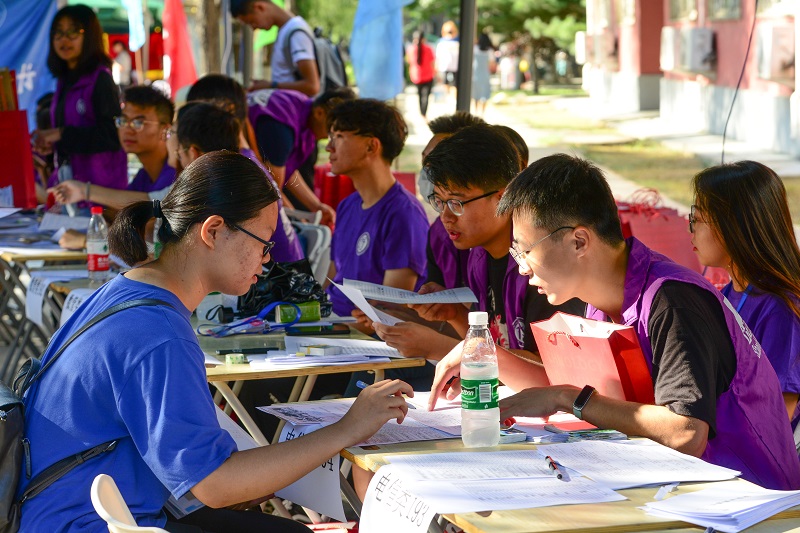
<point>177,47</point>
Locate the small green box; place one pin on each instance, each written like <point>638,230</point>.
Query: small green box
<point>309,312</point>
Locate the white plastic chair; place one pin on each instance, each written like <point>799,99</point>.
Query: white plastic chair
<point>109,504</point>
<point>318,248</point>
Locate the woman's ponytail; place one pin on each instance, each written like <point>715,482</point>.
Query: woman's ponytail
<point>126,236</point>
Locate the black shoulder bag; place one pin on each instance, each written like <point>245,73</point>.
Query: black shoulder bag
<point>14,448</point>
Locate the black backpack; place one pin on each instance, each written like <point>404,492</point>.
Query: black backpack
<point>330,64</point>
<point>14,449</point>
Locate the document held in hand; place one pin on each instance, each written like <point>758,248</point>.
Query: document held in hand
<point>579,351</point>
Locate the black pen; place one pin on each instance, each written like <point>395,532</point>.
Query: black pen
<point>554,467</point>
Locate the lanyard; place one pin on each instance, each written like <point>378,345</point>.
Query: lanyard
<point>727,291</point>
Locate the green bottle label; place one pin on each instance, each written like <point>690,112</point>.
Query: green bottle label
<point>479,394</point>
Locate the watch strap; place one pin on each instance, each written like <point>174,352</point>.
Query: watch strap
<point>581,401</point>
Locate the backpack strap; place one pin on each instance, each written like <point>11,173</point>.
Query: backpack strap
<point>287,53</point>
<point>52,473</point>
<point>32,371</point>
<point>55,471</point>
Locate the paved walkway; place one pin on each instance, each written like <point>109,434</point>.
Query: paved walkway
<point>625,128</point>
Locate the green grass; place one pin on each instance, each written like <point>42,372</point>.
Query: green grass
<point>649,164</point>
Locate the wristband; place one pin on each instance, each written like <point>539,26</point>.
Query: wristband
<point>581,401</point>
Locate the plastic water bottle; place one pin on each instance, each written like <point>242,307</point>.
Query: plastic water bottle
<point>480,414</point>
<point>97,248</point>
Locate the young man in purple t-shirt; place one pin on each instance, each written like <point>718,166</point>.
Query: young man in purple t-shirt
<point>716,397</point>
<point>381,229</point>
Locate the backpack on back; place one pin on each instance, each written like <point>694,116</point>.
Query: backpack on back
<point>330,64</point>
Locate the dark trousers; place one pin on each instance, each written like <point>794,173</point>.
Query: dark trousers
<point>424,91</point>
<point>208,520</point>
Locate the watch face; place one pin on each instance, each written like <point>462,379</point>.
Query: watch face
<point>582,400</point>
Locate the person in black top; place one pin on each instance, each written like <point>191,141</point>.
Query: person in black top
<point>83,133</point>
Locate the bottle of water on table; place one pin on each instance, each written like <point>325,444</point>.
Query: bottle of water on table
<point>480,414</point>
<point>97,248</point>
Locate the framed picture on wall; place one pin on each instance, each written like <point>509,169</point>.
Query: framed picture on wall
<point>683,9</point>
<point>725,9</point>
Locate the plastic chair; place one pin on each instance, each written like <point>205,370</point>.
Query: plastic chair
<point>317,246</point>
<point>112,508</point>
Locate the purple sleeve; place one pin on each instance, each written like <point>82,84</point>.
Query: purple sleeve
<point>405,239</point>
<point>778,331</point>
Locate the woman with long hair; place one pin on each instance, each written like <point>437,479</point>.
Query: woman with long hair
<point>139,377</point>
<point>86,100</point>
<point>420,69</point>
<point>741,222</point>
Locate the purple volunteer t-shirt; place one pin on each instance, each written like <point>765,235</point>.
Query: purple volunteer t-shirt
<point>143,183</point>
<point>392,234</point>
<point>777,328</point>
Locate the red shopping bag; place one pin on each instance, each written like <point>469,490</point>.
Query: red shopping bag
<point>579,351</point>
<point>15,153</point>
<point>660,228</point>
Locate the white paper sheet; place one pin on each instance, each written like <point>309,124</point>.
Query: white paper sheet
<point>455,466</point>
<point>348,346</point>
<point>390,508</point>
<point>376,315</point>
<point>74,300</point>
<point>373,291</point>
<point>626,464</point>
<point>54,222</point>
<point>7,211</point>
<point>319,489</point>
<point>40,281</point>
<point>292,361</point>
<point>729,508</point>
<point>7,196</point>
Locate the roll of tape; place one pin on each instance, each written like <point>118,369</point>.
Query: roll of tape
<point>235,359</point>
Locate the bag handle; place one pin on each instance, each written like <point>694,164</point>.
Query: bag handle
<point>33,372</point>
<point>553,334</point>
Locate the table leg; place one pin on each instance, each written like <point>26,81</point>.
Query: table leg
<point>241,412</point>
<point>379,375</point>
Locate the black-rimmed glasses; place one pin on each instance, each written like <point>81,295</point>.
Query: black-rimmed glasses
<point>267,244</point>
<point>693,218</point>
<point>137,124</point>
<point>519,255</point>
<point>456,206</point>
<point>69,34</point>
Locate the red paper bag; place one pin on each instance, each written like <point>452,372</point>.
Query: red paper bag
<point>579,351</point>
<point>15,153</point>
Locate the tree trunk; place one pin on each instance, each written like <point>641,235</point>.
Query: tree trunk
<point>211,40</point>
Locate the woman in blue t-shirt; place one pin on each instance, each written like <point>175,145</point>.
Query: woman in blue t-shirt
<point>139,377</point>
<point>741,222</point>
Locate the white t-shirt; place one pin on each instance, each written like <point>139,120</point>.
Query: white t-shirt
<point>302,47</point>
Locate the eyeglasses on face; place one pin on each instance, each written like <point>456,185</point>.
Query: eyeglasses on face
<point>70,34</point>
<point>267,244</point>
<point>137,124</point>
<point>456,206</point>
<point>693,218</point>
<point>519,255</point>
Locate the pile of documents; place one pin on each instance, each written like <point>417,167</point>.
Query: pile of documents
<point>729,508</point>
<point>347,351</point>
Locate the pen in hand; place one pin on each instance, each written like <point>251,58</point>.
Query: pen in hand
<point>554,467</point>
<point>361,385</point>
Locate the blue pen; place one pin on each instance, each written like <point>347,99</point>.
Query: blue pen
<point>361,385</point>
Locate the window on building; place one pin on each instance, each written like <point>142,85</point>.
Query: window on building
<point>682,9</point>
<point>725,9</point>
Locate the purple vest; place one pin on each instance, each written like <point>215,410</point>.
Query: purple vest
<point>514,289</point>
<point>451,261</point>
<point>291,108</point>
<point>287,246</point>
<point>108,169</point>
<point>753,434</point>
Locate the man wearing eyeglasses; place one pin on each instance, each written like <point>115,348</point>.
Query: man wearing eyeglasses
<point>142,127</point>
<point>469,172</point>
<point>716,395</point>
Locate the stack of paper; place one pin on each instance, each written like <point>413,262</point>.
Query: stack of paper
<point>314,360</point>
<point>729,508</point>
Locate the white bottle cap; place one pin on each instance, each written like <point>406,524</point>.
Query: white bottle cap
<point>478,318</point>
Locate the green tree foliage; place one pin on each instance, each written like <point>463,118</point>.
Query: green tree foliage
<point>335,17</point>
